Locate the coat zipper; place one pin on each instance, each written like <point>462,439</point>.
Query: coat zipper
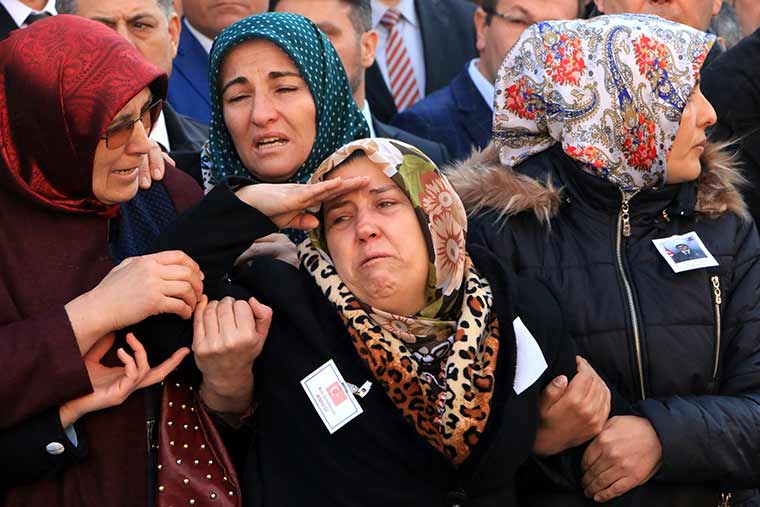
<point>624,231</point>
<point>718,300</point>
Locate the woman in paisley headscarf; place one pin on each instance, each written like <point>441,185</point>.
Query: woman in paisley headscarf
<point>445,353</point>
<point>600,148</point>
<point>77,103</point>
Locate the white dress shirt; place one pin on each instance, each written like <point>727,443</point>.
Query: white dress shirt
<point>484,86</point>
<point>204,41</point>
<point>410,32</point>
<point>160,134</point>
<point>368,116</point>
<point>19,12</point>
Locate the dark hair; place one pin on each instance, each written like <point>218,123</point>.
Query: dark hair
<point>489,7</point>
<point>72,6</point>
<point>360,13</point>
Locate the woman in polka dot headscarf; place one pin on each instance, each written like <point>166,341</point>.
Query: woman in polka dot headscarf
<point>281,102</point>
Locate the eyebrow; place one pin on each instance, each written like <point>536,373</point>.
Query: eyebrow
<point>275,74</point>
<point>517,11</point>
<point>331,206</point>
<point>326,24</point>
<point>124,117</point>
<point>106,20</point>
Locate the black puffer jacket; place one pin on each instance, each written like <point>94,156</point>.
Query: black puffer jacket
<point>683,348</point>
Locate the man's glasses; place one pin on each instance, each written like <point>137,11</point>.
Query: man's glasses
<point>506,17</point>
<point>118,135</point>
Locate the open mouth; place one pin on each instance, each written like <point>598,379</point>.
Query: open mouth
<point>270,142</point>
<point>125,172</point>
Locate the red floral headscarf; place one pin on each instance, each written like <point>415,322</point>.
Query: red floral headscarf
<point>62,81</point>
<point>611,90</point>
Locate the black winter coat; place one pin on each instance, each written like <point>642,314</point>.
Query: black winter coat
<point>377,459</point>
<point>683,348</point>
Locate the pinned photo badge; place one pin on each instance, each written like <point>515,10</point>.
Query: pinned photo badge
<point>685,252</point>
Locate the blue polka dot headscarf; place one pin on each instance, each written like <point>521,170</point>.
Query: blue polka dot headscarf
<point>339,120</point>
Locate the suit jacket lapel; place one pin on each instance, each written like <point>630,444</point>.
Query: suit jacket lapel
<point>477,115</point>
<point>434,25</point>
<point>378,94</point>
<point>6,23</point>
<point>192,63</point>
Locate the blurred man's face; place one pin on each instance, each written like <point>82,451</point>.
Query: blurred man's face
<point>141,22</point>
<point>695,13</point>
<point>210,17</point>
<point>496,38</point>
<point>333,17</point>
<point>748,13</point>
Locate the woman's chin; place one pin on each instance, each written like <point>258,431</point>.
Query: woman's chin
<point>272,171</point>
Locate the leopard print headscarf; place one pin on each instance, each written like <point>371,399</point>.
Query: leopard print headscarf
<point>437,366</point>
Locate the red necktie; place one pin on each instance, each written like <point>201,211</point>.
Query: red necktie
<point>400,72</point>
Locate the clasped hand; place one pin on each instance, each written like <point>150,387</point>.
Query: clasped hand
<point>228,337</point>
<point>573,413</point>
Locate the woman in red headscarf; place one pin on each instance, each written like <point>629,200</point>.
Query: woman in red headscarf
<point>77,103</point>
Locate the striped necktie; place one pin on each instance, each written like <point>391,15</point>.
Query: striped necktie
<point>404,86</point>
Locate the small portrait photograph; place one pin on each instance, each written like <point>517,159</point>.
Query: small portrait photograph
<point>685,252</point>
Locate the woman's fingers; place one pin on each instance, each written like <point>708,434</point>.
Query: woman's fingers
<point>100,349</point>
<point>160,372</point>
<point>591,455</point>
<point>303,221</point>
<point>244,317</point>
<point>182,273</point>
<point>130,369</point>
<point>199,330</point>
<point>226,317</point>
<point>262,315</point>
<point>141,357</point>
<point>170,257</point>
<point>181,290</point>
<point>211,320</point>
<point>341,187</point>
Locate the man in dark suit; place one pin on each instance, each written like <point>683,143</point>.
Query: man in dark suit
<point>459,115</point>
<point>695,13</point>
<point>685,253</point>
<point>347,23</point>
<point>17,13</point>
<point>732,85</point>
<point>203,21</point>
<point>439,38</point>
<point>153,27</point>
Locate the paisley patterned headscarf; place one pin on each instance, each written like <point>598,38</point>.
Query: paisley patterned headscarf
<point>338,118</point>
<point>436,366</point>
<point>611,90</point>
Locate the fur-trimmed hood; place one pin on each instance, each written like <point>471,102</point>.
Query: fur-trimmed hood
<point>483,182</point>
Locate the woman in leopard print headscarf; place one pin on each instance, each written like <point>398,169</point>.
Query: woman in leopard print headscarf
<point>389,292</point>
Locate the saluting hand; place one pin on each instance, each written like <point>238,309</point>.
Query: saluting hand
<point>288,204</point>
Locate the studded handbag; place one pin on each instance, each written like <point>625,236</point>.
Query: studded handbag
<point>194,467</point>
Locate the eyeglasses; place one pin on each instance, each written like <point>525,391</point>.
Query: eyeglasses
<point>506,17</point>
<point>118,135</point>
